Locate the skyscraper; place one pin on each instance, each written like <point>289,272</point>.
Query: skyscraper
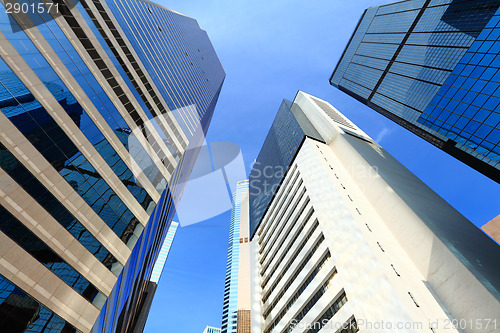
<point>236,307</point>
<point>433,68</point>
<point>351,240</point>
<point>103,105</point>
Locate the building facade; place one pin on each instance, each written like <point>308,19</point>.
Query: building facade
<point>352,241</point>
<point>236,306</point>
<point>98,132</point>
<point>433,68</point>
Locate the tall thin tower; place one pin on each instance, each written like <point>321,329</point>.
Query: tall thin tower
<point>236,307</point>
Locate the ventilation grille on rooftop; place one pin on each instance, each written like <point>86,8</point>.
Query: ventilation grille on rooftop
<point>334,115</point>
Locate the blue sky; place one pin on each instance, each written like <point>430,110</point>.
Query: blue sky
<point>270,50</point>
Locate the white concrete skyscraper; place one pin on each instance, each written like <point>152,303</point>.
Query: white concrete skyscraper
<point>344,238</point>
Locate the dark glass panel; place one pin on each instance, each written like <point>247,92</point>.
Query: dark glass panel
<point>20,313</point>
<point>26,239</point>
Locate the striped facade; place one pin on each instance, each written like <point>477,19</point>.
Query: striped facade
<point>103,105</point>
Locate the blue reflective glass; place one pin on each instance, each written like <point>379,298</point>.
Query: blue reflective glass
<point>493,119</point>
<point>21,313</point>
<point>480,100</point>
<point>278,150</point>
<point>42,131</point>
<point>494,136</point>
<point>467,35</point>
<point>28,241</point>
<point>84,122</point>
<point>47,200</point>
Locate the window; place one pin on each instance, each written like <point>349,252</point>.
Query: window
<point>329,313</point>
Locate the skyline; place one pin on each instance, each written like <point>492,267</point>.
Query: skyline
<point>264,64</point>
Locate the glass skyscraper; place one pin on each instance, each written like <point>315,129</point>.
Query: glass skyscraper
<point>103,107</point>
<point>288,131</point>
<point>432,66</point>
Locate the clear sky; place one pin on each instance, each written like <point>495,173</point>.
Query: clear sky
<point>269,50</point>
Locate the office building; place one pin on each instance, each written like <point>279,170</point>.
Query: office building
<point>352,241</point>
<point>103,105</point>
<point>236,307</point>
<point>433,68</point>
<point>210,329</point>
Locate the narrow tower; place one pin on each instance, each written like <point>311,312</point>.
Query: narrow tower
<point>236,307</point>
